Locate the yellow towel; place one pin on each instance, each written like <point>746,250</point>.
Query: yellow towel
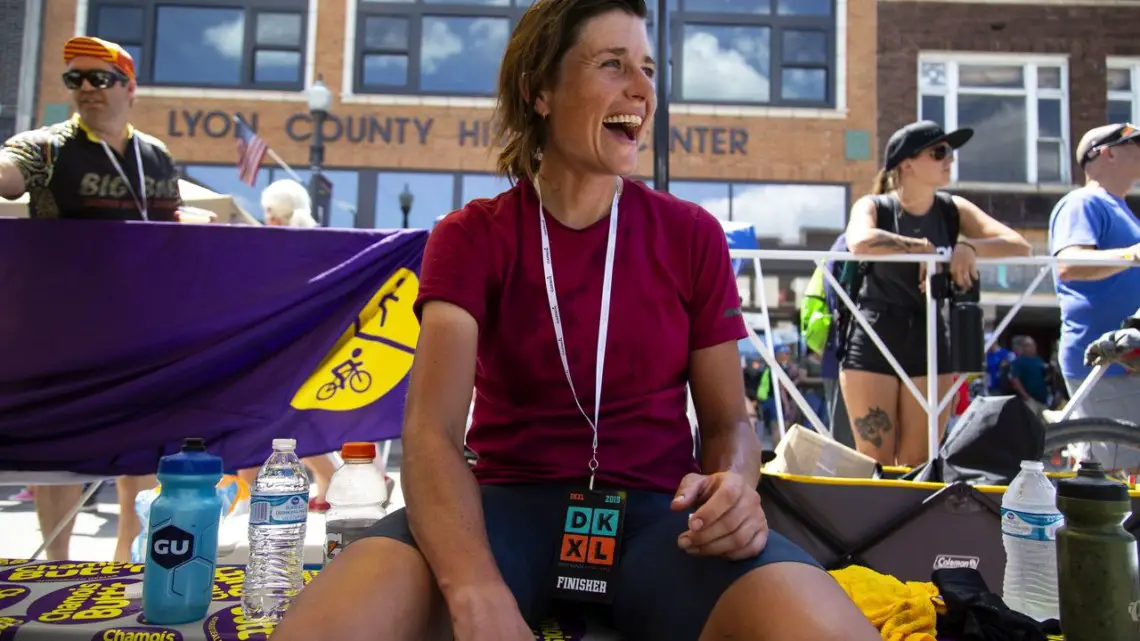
<point>901,611</point>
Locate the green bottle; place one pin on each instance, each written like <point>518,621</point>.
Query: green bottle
<point>1097,571</point>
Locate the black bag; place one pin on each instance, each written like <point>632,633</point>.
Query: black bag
<point>987,445</point>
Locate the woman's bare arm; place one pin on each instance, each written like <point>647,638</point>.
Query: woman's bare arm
<point>865,237</point>
<point>988,237</point>
<point>445,511</point>
<point>728,442</point>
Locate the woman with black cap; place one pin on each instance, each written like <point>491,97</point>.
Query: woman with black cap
<point>907,213</point>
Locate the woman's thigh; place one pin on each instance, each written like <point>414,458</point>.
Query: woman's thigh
<point>666,594</point>
<point>524,527</point>
<point>872,402</point>
<point>913,422</point>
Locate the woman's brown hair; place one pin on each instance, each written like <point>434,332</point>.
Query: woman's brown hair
<point>530,64</point>
<point>885,181</point>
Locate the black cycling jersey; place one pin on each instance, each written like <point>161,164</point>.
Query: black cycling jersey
<point>68,175</point>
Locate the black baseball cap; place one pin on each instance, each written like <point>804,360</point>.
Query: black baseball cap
<point>917,136</point>
<point>1106,136</point>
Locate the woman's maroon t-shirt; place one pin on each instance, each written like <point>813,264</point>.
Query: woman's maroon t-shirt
<point>674,291</point>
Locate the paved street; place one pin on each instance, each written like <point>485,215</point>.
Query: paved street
<point>95,529</point>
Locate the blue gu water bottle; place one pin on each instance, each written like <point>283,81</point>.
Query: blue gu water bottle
<point>182,548</point>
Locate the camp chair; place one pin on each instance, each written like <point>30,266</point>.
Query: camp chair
<point>906,529</point>
<point>901,528</point>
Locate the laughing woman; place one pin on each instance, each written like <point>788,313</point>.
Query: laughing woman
<point>908,214</point>
<point>581,391</point>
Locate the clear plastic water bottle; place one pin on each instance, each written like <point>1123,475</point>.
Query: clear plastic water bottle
<point>278,510</point>
<point>1029,523</point>
<point>357,494</point>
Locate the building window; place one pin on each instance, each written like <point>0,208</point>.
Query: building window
<point>257,44</point>
<point>443,47</point>
<point>778,52</point>
<point>782,212</point>
<point>223,179</point>
<point>1017,107</point>
<point>1123,91</point>
<point>435,194</point>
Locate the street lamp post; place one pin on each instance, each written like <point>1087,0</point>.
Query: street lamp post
<point>406,199</point>
<point>320,101</point>
<point>661,119</point>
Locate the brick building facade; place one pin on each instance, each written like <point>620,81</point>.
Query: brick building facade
<point>1030,78</point>
<point>11,56</point>
<point>1079,54</point>
<point>780,136</point>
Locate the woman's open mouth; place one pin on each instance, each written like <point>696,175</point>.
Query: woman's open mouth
<point>623,126</point>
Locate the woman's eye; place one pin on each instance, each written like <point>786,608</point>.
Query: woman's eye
<point>615,63</point>
<point>649,71</point>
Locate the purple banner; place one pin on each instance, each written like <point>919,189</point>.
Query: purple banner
<point>118,340</point>
<point>231,625</point>
<point>8,627</point>
<point>86,603</point>
<point>137,634</point>
<point>70,571</point>
<point>10,595</point>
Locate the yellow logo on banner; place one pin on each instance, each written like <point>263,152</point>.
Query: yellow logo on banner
<point>372,356</point>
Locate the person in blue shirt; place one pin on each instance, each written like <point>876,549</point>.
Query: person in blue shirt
<point>996,357</point>
<point>1027,375</point>
<point>1094,221</point>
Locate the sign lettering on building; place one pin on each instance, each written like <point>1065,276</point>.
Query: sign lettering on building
<point>412,130</point>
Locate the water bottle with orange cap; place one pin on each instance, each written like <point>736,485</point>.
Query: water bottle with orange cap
<point>357,495</point>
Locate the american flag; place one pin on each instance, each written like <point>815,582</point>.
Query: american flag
<point>251,151</point>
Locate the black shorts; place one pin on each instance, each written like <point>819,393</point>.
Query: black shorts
<point>662,592</point>
<point>904,333</point>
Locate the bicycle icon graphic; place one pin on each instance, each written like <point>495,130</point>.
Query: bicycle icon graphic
<point>350,374</point>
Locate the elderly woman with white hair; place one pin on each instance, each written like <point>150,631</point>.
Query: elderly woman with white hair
<point>286,204</point>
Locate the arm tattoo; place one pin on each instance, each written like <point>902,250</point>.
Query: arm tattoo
<point>873,426</point>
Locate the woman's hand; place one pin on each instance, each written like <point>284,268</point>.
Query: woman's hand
<point>729,523</point>
<point>964,265</point>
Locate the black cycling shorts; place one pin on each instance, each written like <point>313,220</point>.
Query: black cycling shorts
<point>903,331</point>
<point>662,592</point>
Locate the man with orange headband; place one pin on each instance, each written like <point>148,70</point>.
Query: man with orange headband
<point>95,166</point>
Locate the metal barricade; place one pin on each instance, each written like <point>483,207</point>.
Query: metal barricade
<point>930,400</point>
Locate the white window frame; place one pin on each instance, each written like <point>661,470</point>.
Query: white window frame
<point>1030,63</point>
<point>82,8</point>
<point>839,111</point>
<point>1133,65</point>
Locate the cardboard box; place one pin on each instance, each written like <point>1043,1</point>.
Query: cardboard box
<point>808,453</point>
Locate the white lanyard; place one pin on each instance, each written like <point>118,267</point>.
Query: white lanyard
<point>122,174</point>
<point>603,319</point>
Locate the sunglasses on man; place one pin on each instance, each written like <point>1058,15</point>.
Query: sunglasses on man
<point>97,78</point>
<point>1122,138</point>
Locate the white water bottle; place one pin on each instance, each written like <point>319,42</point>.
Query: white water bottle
<point>1029,523</point>
<point>278,512</point>
<point>357,494</point>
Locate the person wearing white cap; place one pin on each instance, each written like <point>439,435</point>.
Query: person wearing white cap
<point>1094,221</point>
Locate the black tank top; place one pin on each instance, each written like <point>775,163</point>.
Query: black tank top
<point>895,285</point>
